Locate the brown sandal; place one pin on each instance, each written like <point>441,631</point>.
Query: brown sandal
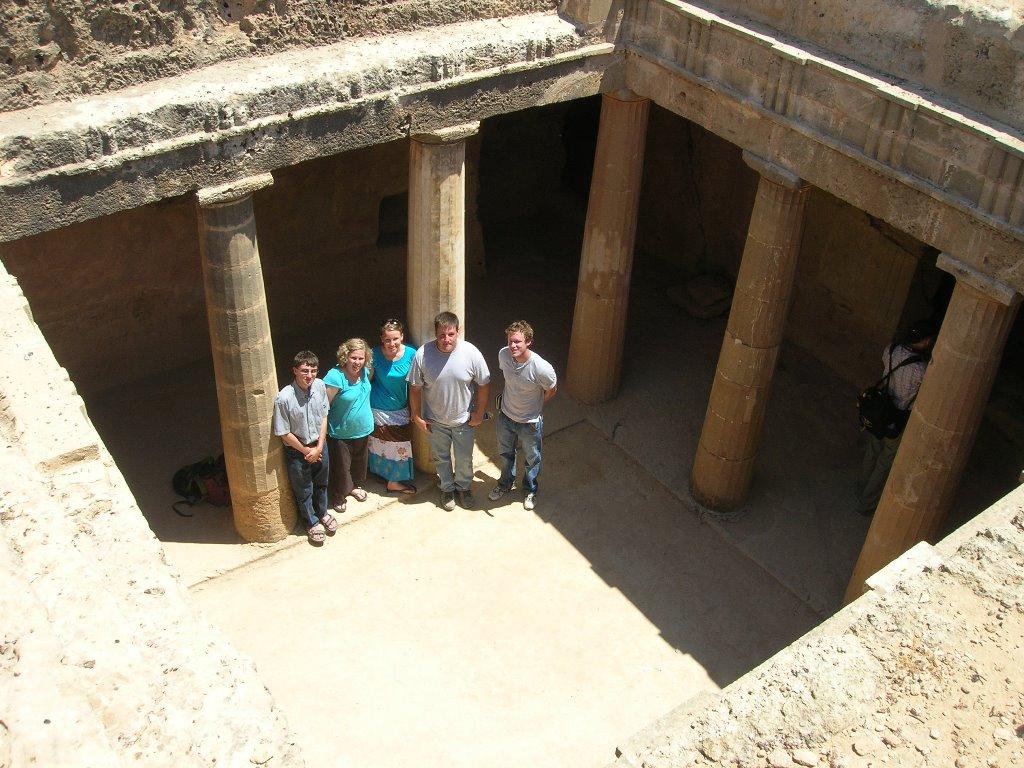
<point>316,535</point>
<point>358,494</point>
<point>330,523</point>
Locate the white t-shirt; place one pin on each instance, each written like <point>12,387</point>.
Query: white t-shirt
<point>448,381</point>
<point>525,385</point>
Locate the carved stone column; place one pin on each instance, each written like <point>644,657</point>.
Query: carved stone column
<point>602,294</point>
<point>437,240</point>
<point>938,438</point>
<point>243,360</point>
<point>724,463</point>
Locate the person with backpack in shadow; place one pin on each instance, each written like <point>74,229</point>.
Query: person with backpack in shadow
<point>885,408</point>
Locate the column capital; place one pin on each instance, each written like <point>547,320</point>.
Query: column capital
<point>995,289</point>
<point>773,172</point>
<point>233,190</point>
<point>448,135</point>
<point>624,94</point>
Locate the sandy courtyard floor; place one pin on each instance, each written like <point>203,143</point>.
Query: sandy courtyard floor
<point>502,637</point>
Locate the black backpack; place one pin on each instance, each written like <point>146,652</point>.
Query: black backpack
<point>206,480</point>
<point>879,415</point>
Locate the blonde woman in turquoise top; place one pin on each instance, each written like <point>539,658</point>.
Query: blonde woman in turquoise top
<point>391,442</point>
<point>349,422</point>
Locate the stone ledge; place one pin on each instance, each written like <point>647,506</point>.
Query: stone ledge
<point>961,158</point>
<point>41,411</point>
<point>44,714</point>
<point>121,150</point>
<point>131,671</point>
<point>913,205</point>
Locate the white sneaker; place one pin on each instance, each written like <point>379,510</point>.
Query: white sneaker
<point>529,501</point>
<point>497,492</point>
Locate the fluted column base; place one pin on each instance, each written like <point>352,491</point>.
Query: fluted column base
<point>243,360</point>
<point>602,294</point>
<point>939,436</point>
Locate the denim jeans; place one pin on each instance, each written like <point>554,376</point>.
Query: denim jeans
<point>530,436</point>
<point>444,441</point>
<point>309,484</point>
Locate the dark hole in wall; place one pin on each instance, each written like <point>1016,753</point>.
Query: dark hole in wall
<point>393,220</point>
<point>535,170</point>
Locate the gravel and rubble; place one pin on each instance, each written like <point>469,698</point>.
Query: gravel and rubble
<point>926,671</point>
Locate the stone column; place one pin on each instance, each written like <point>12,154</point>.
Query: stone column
<point>436,275</point>
<point>243,360</point>
<point>938,438</point>
<point>602,293</point>
<point>724,462</point>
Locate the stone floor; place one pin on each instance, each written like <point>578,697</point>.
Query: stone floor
<point>502,637</point>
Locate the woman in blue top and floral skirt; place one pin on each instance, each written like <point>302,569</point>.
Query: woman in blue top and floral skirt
<point>390,444</point>
<point>349,422</point>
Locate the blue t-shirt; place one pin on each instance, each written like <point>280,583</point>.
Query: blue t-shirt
<point>350,416</point>
<point>390,390</point>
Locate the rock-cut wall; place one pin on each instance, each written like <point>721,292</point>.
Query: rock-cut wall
<point>103,660</point>
<point>969,51</point>
<point>55,51</point>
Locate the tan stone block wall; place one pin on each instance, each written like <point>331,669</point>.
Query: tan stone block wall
<point>854,274</point>
<point>120,298</point>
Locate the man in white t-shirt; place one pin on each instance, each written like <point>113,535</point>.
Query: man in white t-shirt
<point>530,382</point>
<point>445,375</point>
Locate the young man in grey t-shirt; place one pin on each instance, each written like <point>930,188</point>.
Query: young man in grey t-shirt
<point>530,382</point>
<point>445,375</point>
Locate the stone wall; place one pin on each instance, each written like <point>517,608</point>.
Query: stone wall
<point>103,660</point>
<point>57,51</point>
<point>854,273</point>
<point>969,51</point>
<point>120,298</point>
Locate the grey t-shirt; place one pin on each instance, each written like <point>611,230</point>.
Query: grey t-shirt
<point>301,412</point>
<point>448,381</point>
<point>525,385</point>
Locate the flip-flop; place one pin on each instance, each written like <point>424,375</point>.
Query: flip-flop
<point>330,523</point>
<point>358,494</point>
<point>341,507</point>
<point>407,488</point>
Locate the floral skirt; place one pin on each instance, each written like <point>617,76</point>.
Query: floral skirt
<point>391,446</point>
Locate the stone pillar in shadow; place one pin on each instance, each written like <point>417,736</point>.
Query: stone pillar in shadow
<point>939,436</point>
<point>724,462</point>
<point>436,278</point>
<point>243,360</point>
<point>594,368</point>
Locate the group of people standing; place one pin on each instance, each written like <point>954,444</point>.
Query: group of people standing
<point>359,418</point>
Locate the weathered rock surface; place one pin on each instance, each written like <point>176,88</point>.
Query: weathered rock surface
<point>102,659</point>
<point>969,51</point>
<point>926,672</point>
<point>54,51</point>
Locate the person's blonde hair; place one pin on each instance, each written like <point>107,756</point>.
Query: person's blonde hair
<point>350,345</point>
<point>520,326</point>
